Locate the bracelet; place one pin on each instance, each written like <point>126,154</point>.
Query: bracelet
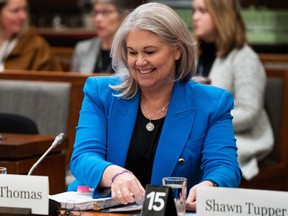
<point>117,174</point>
<point>214,183</point>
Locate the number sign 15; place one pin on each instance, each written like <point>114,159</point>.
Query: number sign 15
<point>158,201</point>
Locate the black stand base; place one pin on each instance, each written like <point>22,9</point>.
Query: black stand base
<point>8,211</point>
<point>54,209</point>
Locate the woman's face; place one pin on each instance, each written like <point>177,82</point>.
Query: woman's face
<point>13,17</point>
<point>204,27</point>
<point>151,61</point>
<point>107,20</point>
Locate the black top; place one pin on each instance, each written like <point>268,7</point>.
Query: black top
<point>206,58</point>
<point>143,147</point>
<point>103,63</point>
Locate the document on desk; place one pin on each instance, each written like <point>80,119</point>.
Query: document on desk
<point>84,201</point>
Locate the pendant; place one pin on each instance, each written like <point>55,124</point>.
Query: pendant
<point>150,126</point>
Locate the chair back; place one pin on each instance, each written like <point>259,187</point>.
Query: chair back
<point>273,173</point>
<point>273,104</point>
<point>46,103</point>
<point>13,123</point>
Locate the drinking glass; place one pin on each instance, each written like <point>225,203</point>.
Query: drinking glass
<point>3,170</point>
<point>179,188</point>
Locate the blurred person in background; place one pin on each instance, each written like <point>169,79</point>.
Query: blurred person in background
<point>20,46</point>
<point>227,61</point>
<point>93,55</point>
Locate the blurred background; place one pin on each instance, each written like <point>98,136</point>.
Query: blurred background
<point>65,22</point>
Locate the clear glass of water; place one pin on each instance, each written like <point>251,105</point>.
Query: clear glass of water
<point>179,188</point>
<point>3,170</point>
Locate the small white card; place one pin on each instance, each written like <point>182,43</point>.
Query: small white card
<point>214,201</point>
<point>21,191</point>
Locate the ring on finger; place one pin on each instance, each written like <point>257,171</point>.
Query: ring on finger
<point>118,193</point>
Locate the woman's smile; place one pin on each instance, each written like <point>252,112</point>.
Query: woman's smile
<point>146,71</point>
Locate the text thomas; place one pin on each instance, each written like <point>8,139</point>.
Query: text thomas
<point>5,192</point>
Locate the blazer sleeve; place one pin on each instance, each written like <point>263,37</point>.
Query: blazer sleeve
<point>219,154</point>
<point>88,158</point>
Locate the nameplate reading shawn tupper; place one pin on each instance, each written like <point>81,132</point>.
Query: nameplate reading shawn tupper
<point>236,201</point>
<point>21,191</point>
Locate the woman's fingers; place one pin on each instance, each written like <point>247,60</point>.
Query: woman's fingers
<point>127,189</point>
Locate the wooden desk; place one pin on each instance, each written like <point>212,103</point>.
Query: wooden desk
<point>67,37</point>
<point>107,214</point>
<point>274,61</point>
<point>18,152</point>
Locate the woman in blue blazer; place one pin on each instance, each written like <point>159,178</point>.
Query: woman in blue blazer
<point>150,120</point>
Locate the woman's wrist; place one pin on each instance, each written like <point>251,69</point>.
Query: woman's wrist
<point>118,174</point>
<point>214,183</point>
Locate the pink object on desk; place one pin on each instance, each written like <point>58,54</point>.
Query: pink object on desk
<point>83,189</point>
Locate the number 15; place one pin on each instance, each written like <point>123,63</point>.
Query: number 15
<point>154,198</point>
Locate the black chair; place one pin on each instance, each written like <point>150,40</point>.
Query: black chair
<point>14,123</point>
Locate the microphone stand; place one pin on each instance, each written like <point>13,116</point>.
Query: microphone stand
<point>58,139</point>
<point>54,207</point>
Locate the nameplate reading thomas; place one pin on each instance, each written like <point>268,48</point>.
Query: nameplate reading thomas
<point>213,201</point>
<point>21,191</point>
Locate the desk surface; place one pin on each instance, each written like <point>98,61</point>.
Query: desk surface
<point>121,214</point>
<point>105,214</point>
<point>67,37</point>
<point>15,146</point>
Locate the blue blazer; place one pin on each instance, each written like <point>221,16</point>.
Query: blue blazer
<point>197,130</point>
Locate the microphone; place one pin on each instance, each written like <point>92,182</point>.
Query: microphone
<point>58,139</point>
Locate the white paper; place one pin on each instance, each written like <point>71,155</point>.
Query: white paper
<point>127,208</point>
<point>84,201</point>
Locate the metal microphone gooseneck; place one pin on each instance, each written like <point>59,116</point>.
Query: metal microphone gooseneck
<point>58,139</point>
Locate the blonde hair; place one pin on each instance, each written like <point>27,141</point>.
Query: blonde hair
<point>165,23</point>
<point>229,24</point>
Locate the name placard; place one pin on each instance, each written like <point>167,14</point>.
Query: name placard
<point>21,191</point>
<point>214,201</point>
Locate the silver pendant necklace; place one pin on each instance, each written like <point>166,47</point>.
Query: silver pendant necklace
<point>150,126</point>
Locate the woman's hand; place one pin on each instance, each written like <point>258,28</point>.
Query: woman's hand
<point>191,199</point>
<point>126,188</point>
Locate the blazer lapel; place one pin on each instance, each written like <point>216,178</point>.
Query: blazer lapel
<point>176,129</point>
<point>123,117</point>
